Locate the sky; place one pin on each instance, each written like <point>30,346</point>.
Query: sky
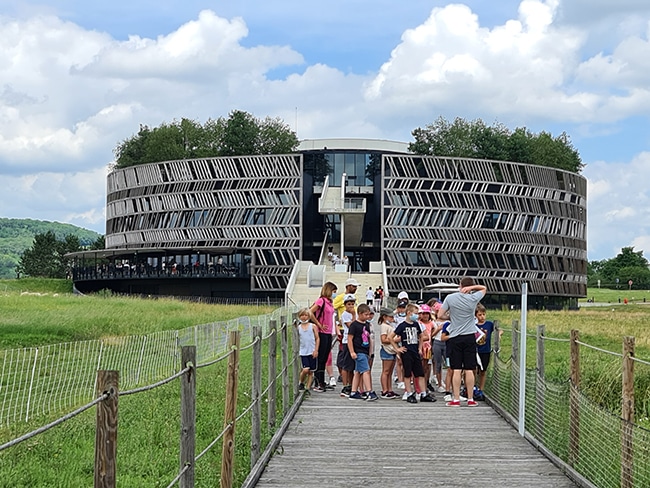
<point>78,77</point>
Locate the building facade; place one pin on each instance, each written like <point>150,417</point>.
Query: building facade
<point>235,226</point>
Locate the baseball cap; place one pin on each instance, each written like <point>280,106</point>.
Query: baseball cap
<point>351,282</point>
<point>403,295</point>
<point>424,308</point>
<point>349,297</point>
<point>402,304</point>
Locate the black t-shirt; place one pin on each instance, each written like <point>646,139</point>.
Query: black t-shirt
<point>360,333</point>
<point>410,335</point>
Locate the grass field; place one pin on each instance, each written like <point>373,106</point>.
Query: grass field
<point>40,312</point>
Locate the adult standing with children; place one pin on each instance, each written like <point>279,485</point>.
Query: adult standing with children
<point>460,308</point>
<point>323,312</point>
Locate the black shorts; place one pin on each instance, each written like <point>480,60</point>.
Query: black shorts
<point>309,362</point>
<point>412,365</point>
<point>462,352</point>
<point>485,360</point>
<point>344,361</point>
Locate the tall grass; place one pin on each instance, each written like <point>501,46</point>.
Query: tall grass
<point>36,320</point>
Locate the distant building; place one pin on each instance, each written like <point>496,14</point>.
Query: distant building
<point>235,226</point>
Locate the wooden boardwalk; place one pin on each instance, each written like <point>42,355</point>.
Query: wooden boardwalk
<point>337,442</point>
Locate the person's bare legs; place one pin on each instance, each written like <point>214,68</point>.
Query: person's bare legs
<point>386,370</point>
<point>469,383</point>
<point>455,383</point>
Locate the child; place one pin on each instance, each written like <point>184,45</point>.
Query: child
<point>344,362</point>
<point>411,337</point>
<point>359,345</point>
<point>424,317</point>
<point>439,350</point>
<point>386,352</point>
<point>309,342</point>
<point>370,297</point>
<point>484,347</point>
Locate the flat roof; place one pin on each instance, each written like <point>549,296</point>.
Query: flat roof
<point>381,145</point>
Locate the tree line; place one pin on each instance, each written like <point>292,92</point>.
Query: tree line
<point>46,256</point>
<point>475,139</point>
<point>628,265</point>
<point>243,134</point>
<point>238,135</point>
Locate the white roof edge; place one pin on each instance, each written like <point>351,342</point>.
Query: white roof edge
<point>357,144</point>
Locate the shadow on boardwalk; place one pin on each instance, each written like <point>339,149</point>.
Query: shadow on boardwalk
<point>337,442</point>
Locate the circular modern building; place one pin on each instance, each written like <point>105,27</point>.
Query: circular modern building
<point>235,226</point>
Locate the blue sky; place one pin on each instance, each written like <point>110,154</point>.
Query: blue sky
<point>78,76</point>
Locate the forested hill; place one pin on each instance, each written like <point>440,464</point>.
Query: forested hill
<point>16,235</point>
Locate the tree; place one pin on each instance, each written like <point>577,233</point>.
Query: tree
<point>475,139</point>
<point>627,265</point>
<point>99,244</point>
<point>240,134</point>
<point>46,258</point>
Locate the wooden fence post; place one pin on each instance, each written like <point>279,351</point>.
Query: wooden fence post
<point>188,415</point>
<point>574,400</point>
<point>230,411</point>
<point>514,385</point>
<point>256,389</point>
<point>273,356</point>
<point>106,430</point>
<point>540,384</point>
<point>284,345</point>
<point>627,410</point>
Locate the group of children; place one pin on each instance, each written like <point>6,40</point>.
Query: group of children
<point>412,346</point>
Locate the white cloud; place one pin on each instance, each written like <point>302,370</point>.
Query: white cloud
<point>618,205</point>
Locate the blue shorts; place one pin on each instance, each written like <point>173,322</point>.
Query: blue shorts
<point>309,362</point>
<point>386,356</point>
<point>361,363</point>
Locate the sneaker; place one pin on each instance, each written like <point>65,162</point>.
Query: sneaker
<point>364,395</point>
<point>400,385</point>
<point>411,398</point>
<point>301,386</point>
<point>405,395</point>
<point>332,381</point>
<point>430,387</point>
<point>471,403</point>
<point>462,398</point>
<point>393,394</point>
<point>329,387</point>
<point>339,379</point>
<point>453,403</point>
<point>428,398</point>
<point>319,389</point>
<point>389,395</point>
<point>441,389</point>
<point>448,397</point>
<point>345,391</point>
<point>372,396</point>
<point>356,396</point>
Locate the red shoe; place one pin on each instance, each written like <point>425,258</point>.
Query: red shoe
<point>472,403</point>
<point>453,403</point>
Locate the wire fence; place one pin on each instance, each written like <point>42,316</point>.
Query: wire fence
<point>259,339</point>
<point>42,380</point>
<point>577,413</point>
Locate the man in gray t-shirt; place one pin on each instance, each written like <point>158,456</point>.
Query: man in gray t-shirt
<point>460,308</point>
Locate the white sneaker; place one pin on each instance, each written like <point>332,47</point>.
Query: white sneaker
<point>441,389</point>
<point>401,386</point>
<point>448,398</point>
<point>405,395</point>
<point>332,381</point>
<point>462,398</point>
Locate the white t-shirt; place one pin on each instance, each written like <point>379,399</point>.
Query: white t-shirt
<point>370,295</point>
<point>346,319</point>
